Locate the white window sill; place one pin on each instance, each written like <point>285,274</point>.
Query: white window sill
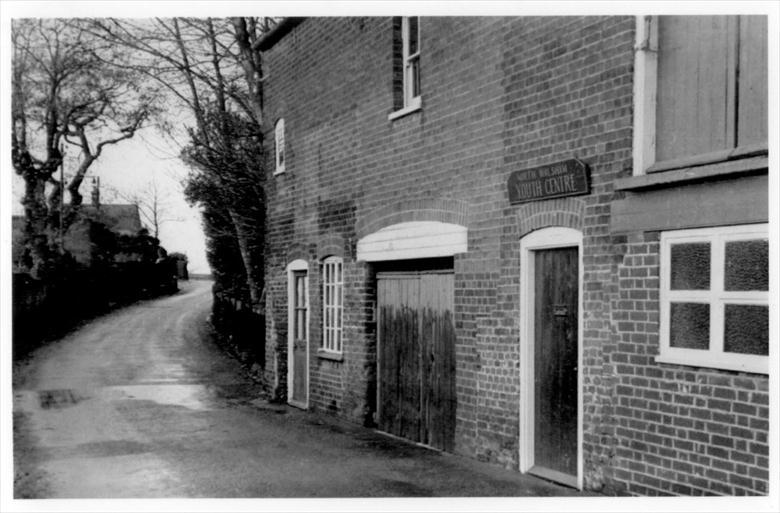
<point>413,107</point>
<point>330,355</point>
<point>279,171</point>
<point>676,177</point>
<point>733,362</point>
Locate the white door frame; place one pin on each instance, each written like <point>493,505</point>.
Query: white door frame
<point>545,238</point>
<point>296,265</point>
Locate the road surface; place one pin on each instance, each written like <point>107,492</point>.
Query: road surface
<point>140,403</point>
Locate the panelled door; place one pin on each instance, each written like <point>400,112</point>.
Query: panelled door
<point>555,361</point>
<point>300,339</point>
<point>416,356</point>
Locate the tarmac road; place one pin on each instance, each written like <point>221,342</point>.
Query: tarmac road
<point>140,403</point>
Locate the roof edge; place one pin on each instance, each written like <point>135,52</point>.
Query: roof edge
<point>278,32</point>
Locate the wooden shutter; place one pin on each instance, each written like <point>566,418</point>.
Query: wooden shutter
<point>696,100</point>
<point>711,88</point>
<point>752,123</point>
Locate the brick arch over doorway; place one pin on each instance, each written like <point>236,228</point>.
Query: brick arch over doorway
<point>564,212</point>
<point>445,210</point>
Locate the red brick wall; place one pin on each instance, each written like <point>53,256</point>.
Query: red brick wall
<point>680,430</point>
<point>498,95</point>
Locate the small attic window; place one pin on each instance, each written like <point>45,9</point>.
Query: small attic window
<point>279,144</point>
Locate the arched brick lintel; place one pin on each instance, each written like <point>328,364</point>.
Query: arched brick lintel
<point>445,210</point>
<point>566,212</point>
<point>297,252</point>
<point>330,245</point>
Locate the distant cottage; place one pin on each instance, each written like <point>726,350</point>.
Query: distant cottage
<point>83,238</point>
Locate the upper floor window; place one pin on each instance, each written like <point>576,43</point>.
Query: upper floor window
<point>700,90</point>
<point>279,146</point>
<point>332,304</point>
<point>406,65</point>
<point>715,297</point>
<point>410,27</point>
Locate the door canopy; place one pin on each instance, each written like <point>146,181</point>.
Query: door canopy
<point>416,239</point>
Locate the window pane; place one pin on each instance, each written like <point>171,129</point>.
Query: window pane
<point>690,325</point>
<point>747,329</point>
<point>413,34</point>
<point>691,266</point>
<point>415,76</point>
<point>747,265</point>
<point>301,315</point>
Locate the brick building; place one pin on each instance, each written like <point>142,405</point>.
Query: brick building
<point>536,241</point>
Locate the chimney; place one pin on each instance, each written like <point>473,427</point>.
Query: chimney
<point>96,191</point>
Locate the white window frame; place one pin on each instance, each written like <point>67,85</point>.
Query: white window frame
<point>546,238</point>
<point>408,58</point>
<point>280,156</point>
<point>645,87</point>
<point>332,305</point>
<point>410,103</point>
<point>716,297</point>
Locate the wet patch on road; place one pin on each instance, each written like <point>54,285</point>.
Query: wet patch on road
<point>191,396</point>
<point>51,399</point>
<point>101,449</point>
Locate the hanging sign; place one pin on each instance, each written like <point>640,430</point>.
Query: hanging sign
<point>567,178</point>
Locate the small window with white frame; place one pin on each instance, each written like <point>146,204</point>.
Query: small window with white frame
<point>332,304</point>
<point>410,28</point>
<point>715,298</point>
<point>406,66</point>
<point>279,146</point>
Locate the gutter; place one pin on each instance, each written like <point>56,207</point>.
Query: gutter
<point>278,32</point>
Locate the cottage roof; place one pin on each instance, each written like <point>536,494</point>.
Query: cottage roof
<point>121,219</point>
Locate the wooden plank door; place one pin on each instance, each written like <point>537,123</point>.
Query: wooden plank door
<point>399,351</point>
<point>416,357</point>
<point>555,360</point>
<point>300,304</point>
<point>437,344</point>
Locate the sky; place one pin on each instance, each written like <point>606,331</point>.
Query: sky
<point>129,167</point>
<point>126,170</point>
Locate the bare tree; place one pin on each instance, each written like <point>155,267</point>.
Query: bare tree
<point>152,203</point>
<point>212,67</point>
<point>65,95</point>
